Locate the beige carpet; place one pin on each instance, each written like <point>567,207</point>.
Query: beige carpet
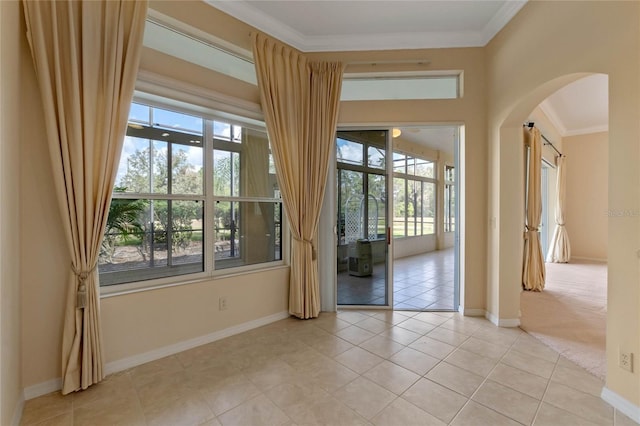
<point>569,315</point>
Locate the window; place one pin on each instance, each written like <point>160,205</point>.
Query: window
<point>184,184</point>
<point>449,199</point>
<point>398,85</point>
<point>414,196</point>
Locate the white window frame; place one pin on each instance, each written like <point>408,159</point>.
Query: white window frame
<point>210,111</point>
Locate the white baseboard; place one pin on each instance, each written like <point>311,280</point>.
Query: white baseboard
<point>619,403</point>
<point>473,312</point>
<point>17,412</point>
<point>591,259</point>
<point>135,360</point>
<point>43,388</point>
<point>502,322</point>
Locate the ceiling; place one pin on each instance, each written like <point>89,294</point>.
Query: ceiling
<point>330,25</point>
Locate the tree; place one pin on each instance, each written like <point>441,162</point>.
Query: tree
<point>122,223</point>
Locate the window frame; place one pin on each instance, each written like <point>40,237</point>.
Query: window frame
<point>209,115</point>
<point>449,221</point>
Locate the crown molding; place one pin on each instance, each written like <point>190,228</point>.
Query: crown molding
<point>508,10</point>
<point>391,41</point>
<point>553,117</point>
<point>587,130</point>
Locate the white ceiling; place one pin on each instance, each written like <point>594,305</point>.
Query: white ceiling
<point>439,138</point>
<point>580,107</point>
<point>332,25</point>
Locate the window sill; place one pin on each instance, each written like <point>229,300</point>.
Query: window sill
<point>150,285</point>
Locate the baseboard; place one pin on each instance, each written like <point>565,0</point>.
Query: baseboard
<point>133,361</point>
<point>591,259</point>
<point>43,388</point>
<point>502,322</point>
<point>17,412</point>
<point>472,312</point>
<point>619,403</point>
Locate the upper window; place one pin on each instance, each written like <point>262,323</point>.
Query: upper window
<point>185,184</point>
<point>398,86</point>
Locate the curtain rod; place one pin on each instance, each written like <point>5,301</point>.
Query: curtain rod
<point>547,141</point>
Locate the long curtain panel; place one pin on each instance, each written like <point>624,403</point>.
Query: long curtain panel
<point>300,101</point>
<point>533,272</point>
<point>86,55</point>
<point>560,248</point>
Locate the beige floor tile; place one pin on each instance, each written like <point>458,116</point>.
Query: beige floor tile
<point>164,388</point>
<point>524,382</point>
<point>352,317</point>
<point>417,326</point>
<point>455,378</point>
<point>431,318</point>
<point>358,359</point>
<point>382,346</point>
<point>548,415</point>
<point>392,377</point>
<point>65,419</point>
<point>469,361</point>
<point>301,391</point>
<point>435,348</point>
<point>212,422</point>
<point>151,371</point>
<point>374,325</point>
<point>463,325</point>
<point>203,357</point>
<point>202,379</point>
<point>330,323</point>
<point>435,399</point>
<point>115,410</point>
<point>391,317</point>
<point>354,335</point>
<point>113,385</point>
<point>46,407</point>
<point>474,414</point>
<point>229,393</point>
<point>622,420</point>
<point>325,411</point>
<point>528,344</point>
<point>414,360</point>
<point>448,336</point>
<point>401,335</point>
<point>513,404</point>
<point>331,345</point>
<point>486,349</point>
<point>564,362</point>
<point>332,376</point>
<point>580,380</point>
<point>272,374</point>
<point>530,364</point>
<point>364,397</point>
<point>579,403</point>
<point>190,410</point>
<point>257,411</point>
<point>402,412</point>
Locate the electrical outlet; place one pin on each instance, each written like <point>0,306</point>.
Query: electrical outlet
<point>222,304</point>
<point>626,361</point>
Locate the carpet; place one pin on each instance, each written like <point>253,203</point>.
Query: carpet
<point>570,314</point>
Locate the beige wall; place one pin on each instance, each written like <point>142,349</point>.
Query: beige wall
<point>543,48</point>
<point>10,124</point>
<point>587,194</point>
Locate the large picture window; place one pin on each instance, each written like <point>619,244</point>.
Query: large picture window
<point>192,195</point>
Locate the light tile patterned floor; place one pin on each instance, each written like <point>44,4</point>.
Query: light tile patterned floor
<point>420,282</point>
<point>349,368</point>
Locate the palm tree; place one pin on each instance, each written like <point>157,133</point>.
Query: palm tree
<point>122,223</point>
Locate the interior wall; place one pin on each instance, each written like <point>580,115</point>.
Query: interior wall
<point>587,195</point>
<point>516,85</point>
<point>10,119</point>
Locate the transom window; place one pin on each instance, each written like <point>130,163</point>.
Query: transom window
<point>192,195</point>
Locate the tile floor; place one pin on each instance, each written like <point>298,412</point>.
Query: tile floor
<point>349,368</point>
<point>421,282</point>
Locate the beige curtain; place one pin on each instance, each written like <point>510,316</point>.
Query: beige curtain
<point>86,56</point>
<point>300,102</point>
<point>560,248</point>
<point>533,273</point>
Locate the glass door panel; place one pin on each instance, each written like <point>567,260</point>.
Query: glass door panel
<point>362,218</point>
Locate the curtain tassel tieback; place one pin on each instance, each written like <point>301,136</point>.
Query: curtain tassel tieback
<point>81,291</point>
<point>313,247</point>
